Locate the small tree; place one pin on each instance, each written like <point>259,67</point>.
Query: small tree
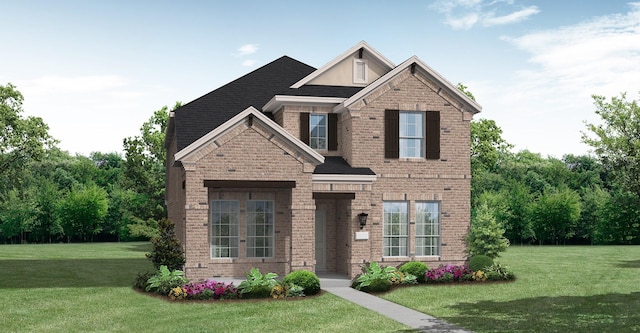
<point>486,235</point>
<point>167,249</point>
<point>82,211</point>
<point>555,214</point>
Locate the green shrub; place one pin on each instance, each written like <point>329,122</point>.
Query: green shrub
<point>255,280</point>
<point>373,272</point>
<point>141,280</point>
<point>486,235</point>
<point>295,291</point>
<point>205,294</point>
<point>166,247</point>
<point>498,272</point>
<point>165,280</point>
<point>480,262</point>
<point>493,276</point>
<point>258,292</point>
<point>309,281</point>
<point>378,286</point>
<point>409,279</point>
<point>415,268</point>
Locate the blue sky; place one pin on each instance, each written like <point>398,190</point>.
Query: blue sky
<point>96,70</point>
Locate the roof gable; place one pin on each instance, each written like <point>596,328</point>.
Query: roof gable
<point>197,118</point>
<point>416,66</point>
<point>250,114</point>
<point>339,71</point>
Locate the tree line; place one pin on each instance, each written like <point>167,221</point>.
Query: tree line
<point>576,199</point>
<point>48,195</point>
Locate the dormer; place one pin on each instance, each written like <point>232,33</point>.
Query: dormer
<point>357,67</point>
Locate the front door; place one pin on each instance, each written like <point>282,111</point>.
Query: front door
<point>321,240</point>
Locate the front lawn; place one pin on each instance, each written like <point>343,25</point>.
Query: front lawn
<point>87,287</point>
<point>558,289</point>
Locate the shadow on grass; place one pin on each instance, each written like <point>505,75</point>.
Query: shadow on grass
<point>72,273</point>
<point>144,247</point>
<point>598,313</point>
<point>629,264</point>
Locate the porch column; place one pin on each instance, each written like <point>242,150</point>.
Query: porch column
<point>303,209</point>
<point>196,225</point>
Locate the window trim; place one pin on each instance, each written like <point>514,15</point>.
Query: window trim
<point>420,251</point>
<point>270,237</point>
<point>212,246</point>
<point>392,134</point>
<point>421,138</point>
<point>326,131</point>
<point>332,130</point>
<point>404,226</point>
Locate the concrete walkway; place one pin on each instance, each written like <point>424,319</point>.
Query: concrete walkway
<point>341,287</point>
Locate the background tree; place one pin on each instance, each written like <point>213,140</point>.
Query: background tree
<point>144,171</point>
<point>82,211</point>
<point>487,144</point>
<point>554,214</point>
<point>16,216</point>
<point>620,223</point>
<point>617,139</point>
<point>22,139</point>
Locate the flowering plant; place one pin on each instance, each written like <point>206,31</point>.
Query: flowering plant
<point>479,276</point>
<point>210,289</point>
<point>177,293</point>
<point>449,273</point>
<point>280,291</point>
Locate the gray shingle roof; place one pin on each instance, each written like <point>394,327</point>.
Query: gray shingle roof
<point>336,165</point>
<point>199,117</point>
<point>322,91</point>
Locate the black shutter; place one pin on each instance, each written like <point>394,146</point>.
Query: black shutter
<point>391,134</point>
<point>433,135</point>
<point>332,132</point>
<point>304,127</point>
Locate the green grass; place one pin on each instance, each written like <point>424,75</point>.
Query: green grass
<point>558,289</point>
<point>87,288</point>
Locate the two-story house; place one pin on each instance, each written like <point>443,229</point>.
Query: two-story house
<point>291,167</point>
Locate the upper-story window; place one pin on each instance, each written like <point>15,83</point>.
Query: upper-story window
<point>412,134</point>
<point>411,137</point>
<point>319,130</point>
<point>360,71</point>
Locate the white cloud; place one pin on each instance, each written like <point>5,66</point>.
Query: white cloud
<point>465,14</point>
<point>491,20</point>
<point>567,65</point>
<point>249,63</point>
<point>463,23</point>
<point>247,49</point>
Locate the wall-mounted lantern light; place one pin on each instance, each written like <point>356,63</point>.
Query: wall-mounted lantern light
<point>362,218</point>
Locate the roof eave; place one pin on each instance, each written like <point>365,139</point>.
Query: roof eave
<point>474,107</point>
<point>236,120</point>
<point>279,100</point>
<point>342,178</point>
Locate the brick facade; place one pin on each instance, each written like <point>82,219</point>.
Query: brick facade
<point>251,151</point>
